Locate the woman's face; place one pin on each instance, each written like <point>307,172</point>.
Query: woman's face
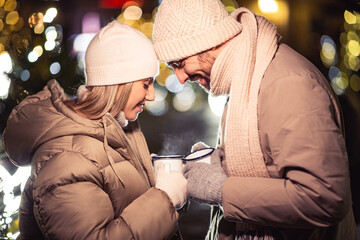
<point>141,91</point>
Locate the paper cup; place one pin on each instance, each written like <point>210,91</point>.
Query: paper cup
<point>202,155</point>
<point>172,163</point>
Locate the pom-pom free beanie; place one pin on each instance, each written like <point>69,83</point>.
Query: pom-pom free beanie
<point>119,54</point>
<point>183,28</point>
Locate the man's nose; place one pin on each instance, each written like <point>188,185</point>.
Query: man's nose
<point>181,75</point>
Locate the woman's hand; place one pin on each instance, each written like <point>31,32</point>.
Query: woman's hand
<point>173,183</point>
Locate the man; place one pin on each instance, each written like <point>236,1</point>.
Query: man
<point>280,170</point>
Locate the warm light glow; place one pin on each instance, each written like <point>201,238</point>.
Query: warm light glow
<point>133,13</point>
<point>340,83</point>
<point>217,104</point>
<point>230,3</point>
<point>355,83</point>
<point>82,41</point>
<point>349,17</point>
<point>35,19</point>
<point>33,56</point>
<point>157,108</point>
<point>91,22</point>
<point>12,18</point>
<point>354,47</point>
<point>184,100</point>
<point>39,29</point>
<point>7,184</point>
<point>354,63</point>
<point>172,84</point>
<point>51,33</point>
<point>163,74</point>
<point>49,45</point>
<point>50,15</point>
<point>5,67</point>
<point>10,5</point>
<point>160,105</point>
<point>328,51</point>
<point>147,28</point>
<point>268,6</point>
<point>39,50</point>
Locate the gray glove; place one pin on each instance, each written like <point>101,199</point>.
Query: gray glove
<point>198,146</point>
<point>206,180</point>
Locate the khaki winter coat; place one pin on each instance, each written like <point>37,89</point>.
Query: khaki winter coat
<point>301,135</point>
<point>73,191</point>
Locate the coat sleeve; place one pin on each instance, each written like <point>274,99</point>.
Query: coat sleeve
<point>81,209</point>
<point>307,150</point>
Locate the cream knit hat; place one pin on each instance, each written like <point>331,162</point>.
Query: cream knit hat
<point>119,54</point>
<point>183,28</point>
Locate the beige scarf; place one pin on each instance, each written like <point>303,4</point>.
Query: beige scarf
<point>238,71</point>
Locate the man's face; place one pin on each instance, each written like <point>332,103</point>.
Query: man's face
<point>194,68</point>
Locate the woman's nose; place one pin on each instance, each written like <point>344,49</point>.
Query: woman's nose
<point>150,95</point>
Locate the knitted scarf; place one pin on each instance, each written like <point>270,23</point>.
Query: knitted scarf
<point>238,71</point>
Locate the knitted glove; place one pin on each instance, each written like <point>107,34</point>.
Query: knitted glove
<point>173,183</point>
<point>198,146</point>
<point>206,180</point>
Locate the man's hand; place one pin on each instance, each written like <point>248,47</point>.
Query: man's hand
<point>206,180</point>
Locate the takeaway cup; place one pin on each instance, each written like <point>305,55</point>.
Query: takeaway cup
<point>202,155</point>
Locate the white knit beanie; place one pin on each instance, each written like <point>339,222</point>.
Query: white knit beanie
<point>119,54</point>
<point>183,28</point>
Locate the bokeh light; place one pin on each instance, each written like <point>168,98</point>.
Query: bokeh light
<point>184,100</point>
<point>268,6</point>
<point>33,56</point>
<point>50,15</point>
<point>6,66</point>
<point>25,75</point>
<point>159,106</point>
<point>172,84</point>
<point>82,41</point>
<point>39,28</point>
<point>39,50</point>
<point>354,47</point>
<point>49,45</point>
<point>355,82</point>
<point>328,51</point>
<point>10,5</point>
<point>51,33</point>
<point>91,22</point>
<point>132,13</point>
<point>55,68</point>
<point>217,104</point>
<point>349,17</point>
<point>12,18</point>
<point>339,83</point>
<point>36,19</point>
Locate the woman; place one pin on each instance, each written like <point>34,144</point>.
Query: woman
<point>92,176</point>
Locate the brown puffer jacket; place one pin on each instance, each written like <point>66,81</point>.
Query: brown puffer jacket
<point>73,191</point>
<point>301,135</point>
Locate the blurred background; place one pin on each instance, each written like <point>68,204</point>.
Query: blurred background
<point>44,39</point>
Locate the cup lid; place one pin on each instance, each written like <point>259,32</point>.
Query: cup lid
<point>199,154</point>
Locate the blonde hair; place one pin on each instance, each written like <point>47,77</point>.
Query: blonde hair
<point>93,102</point>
